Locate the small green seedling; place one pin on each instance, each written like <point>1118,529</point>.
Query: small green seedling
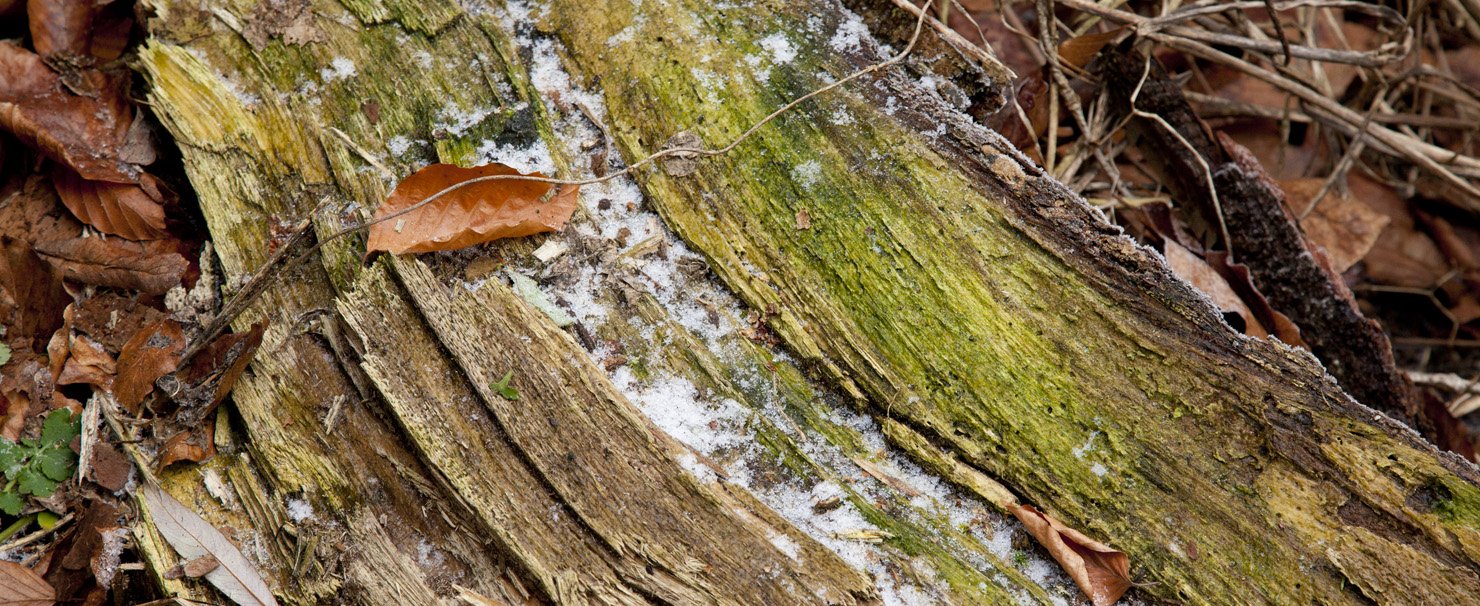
<point>4,354</point>
<point>504,389</point>
<point>34,466</point>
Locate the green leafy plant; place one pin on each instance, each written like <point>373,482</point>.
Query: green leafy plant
<point>34,466</point>
<point>504,389</point>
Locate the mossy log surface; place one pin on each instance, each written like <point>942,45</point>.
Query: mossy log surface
<point>993,323</point>
<point>954,288</point>
<point>368,406</point>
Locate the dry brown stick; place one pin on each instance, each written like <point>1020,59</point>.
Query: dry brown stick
<point>1423,154</point>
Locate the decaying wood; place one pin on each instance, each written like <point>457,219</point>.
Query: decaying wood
<point>1265,237</point>
<point>380,424</point>
<point>952,287</point>
<point>993,322</point>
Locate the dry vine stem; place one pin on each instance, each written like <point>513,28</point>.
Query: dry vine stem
<point>1423,154</point>
<point>257,284</point>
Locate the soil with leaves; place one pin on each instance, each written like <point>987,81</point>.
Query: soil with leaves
<point>1310,166</point>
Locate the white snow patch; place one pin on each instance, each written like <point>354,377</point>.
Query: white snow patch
<point>339,69</point>
<point>850,35</point>
<point>1087,446</point>
<point>807,173</point>
<point>428,556</point>
<point>786,545</point>
<point>398,145</point>
<point>299,509</point>
<point>782,52</point>
<point>534,158</point>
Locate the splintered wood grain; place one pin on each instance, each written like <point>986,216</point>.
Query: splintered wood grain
<point>954,288</point>
<point>649,524</point>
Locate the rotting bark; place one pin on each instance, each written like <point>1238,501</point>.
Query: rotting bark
<point>950,286</point>
<point>993,321</point>
<point>1264,236</point>
<point>368,402</point>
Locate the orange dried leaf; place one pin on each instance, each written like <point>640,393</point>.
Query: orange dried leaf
<point>153,352</point>
<point>1078,51</point>
<point>1102,573</point>
<point>132,211</point>
<point>149,267</point>
<point>19,586</point>
<point>1203,277</point>
<point>1346,228</point>
<point>89,364</point>
<point>477,213</point>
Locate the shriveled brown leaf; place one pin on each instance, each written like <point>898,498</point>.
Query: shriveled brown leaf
<point>1344,227</point>
<point>153,352</point>
<point>211,374</point>
<point>118,263</point>
<point>194,446</point>
<point>1239,279</point>
<point>97,135</point>
<point>61,26</point>
<point>471,215</point>
<point>89,364</point>
<point>112,319</point>
<point>19,586</point>
<point>1403,254</point>
<point>133,211</point>
<point>1078,51</point>
<point>1102,573</point>
<point>108,467</point>
<point>89,555</point>
<point>1203,277</point>
<point>31,295</point>
<point>32,212</point>
<point>79,29</point>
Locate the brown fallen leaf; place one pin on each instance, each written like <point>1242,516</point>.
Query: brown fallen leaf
<point>211,374</point>
<point>471,215</point>
<point>112,319</point>
<point>88,364</point>
<point>192,445</point>
<point>1203,277</point>
<point>1403,255</point>
<point>133,211</point>
<point>118,263</point>
<point>193,538</point>
<point>108,467</point>
<point>31,296</point>
<point>1277,323</point>
<point>79,31</point>
<point>153,352</point>
<point>19,586</point>
<point>1102,573</point>
<point>1343,226</point>
<point>98,135</point>
<point>804,219</point>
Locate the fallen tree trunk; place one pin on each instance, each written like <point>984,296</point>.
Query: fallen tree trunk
<point>941,283</point>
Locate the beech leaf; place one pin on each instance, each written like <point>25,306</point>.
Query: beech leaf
<point>98,135</point>
<point>1102,573</point>
<point>193,538</point>
<point>140,266</point>
<point>132,211</point>
<point>153,352</point>
<point>1203,277</point>
<point>19,586</point>
<point>470,215</point>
